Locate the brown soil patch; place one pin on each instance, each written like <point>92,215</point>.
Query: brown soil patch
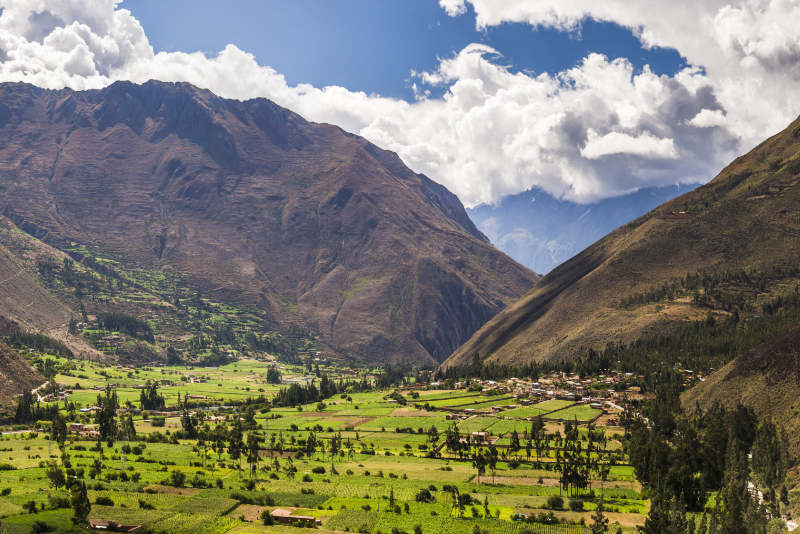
<point>625,520</point>
<point>250,512</point>
<point>411,412</point>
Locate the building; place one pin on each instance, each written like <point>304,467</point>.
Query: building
<point>112,526</point>
<point>285,517</point>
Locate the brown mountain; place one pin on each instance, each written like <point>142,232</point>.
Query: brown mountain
<point>16,376</point>
<point>738,237</point>
<point>249,203</point>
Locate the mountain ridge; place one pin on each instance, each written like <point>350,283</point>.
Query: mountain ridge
<point>745,219</point>
<point>250,203</point>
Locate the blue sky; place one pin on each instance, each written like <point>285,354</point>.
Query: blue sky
<point>372,46</point>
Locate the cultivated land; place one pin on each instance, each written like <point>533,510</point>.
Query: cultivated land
<point>368,461</point>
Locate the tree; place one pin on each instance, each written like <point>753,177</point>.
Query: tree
<point>128,430</point>
<point>515,445</point>
<point>59,429</point>
<point>189,424</point>
<point>105,417</point>
<point>770,458</point>
<point>79,499</point>
<point>599,520</point>
<point>24,412</point>
<point>235,443</point>
<point>150,399</point>
<point>253,447</point>
<point>273,375</point>
<point>56,475</point>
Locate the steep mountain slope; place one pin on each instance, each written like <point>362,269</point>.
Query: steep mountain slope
<point>767,378</point>
<point>16,376</point>
<point>737,237</point>
<point>250,204</point>
<point>541,231</point>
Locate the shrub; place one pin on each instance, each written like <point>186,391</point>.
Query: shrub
<point>424,495</point>
<point>177,478</point>
<point>104,501</point>
<point>555,502</point>
<point>576,505</point>
<point>318,470</point>
<point>144,505</point>
<point>266,518</point>
<point>40,526</point>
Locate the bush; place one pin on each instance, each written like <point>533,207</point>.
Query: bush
<point>424,495</point>
<point>318,470</point>
<point>576,505</point>
<point>177,478</point>
<point>104,501</point>
<point>144,505</point>
<point>555,502</point>
<point>40,526</point>
<point>266,518</point>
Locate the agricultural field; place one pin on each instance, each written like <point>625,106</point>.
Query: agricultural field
<point>358,461</point>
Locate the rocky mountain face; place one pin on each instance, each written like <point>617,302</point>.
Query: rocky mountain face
<point>725,250</point>
<point>249,203</point>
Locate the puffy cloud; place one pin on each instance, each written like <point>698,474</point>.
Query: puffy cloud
<point>645,145</point>
<point>596,130</point>
<point>749,49</point>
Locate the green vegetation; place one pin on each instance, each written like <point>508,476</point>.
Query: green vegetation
<point>332,447</point>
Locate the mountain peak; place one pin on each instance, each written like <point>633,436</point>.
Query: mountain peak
<point>249,202</point>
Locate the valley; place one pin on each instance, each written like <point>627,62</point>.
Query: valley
<point>403,457</point>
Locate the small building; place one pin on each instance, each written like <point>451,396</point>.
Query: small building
<point>480,437</point>
<point>112,526</point>
<point>285,517</point>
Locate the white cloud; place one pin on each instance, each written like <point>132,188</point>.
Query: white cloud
<point>750,49</point>
<point>645,145</point>
<point>708,119</point>
<point>494,132</point>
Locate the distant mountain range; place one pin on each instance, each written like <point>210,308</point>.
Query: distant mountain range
<point>541,231</point>
<point>305,228</point>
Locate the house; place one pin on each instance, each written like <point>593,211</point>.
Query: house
<point>285,517</point>
<point>480,437</point>
<point>112,526</point>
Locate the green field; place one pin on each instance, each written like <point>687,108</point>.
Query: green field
<point>388,453</point>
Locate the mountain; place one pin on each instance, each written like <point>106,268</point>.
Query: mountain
<point>541,231</point>
<point>724,249</point>
<point>16,376</point>
<point>184,196</point>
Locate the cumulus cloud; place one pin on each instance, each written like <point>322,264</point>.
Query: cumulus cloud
<point>596,130</point>
<point>749,49</point>
<point>645,145</point>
